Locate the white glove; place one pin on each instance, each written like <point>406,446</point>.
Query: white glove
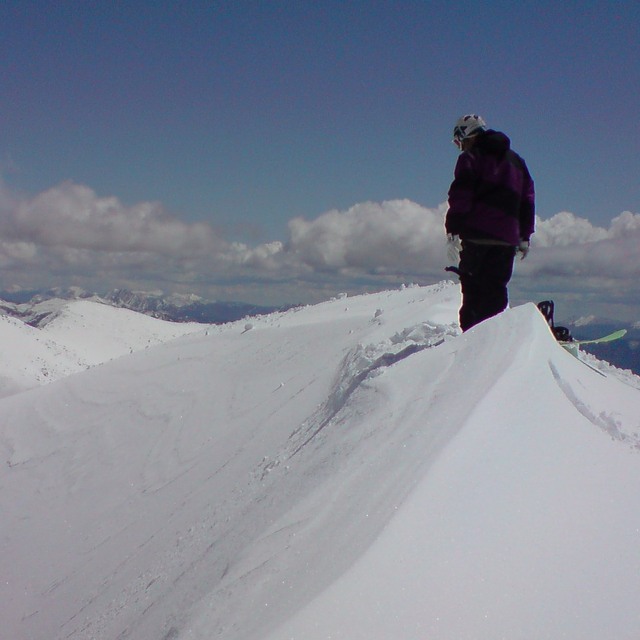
<point>523,248</point>
<point>453,248</point>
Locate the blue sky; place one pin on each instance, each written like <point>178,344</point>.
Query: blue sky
<point>242,116</point>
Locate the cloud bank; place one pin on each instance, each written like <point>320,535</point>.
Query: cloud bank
<point>72,216</point>
<point>70,235</point>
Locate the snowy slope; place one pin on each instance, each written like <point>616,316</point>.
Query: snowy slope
<point>102,332</point>
<point>356,469</point>
<point>80,334</point>
<point>28,359</point>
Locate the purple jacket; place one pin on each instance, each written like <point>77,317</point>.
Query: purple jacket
<point>492,195</point>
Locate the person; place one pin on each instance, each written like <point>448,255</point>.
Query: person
<point>491,216</point>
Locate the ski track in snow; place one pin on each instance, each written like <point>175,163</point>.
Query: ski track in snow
<point>605,420</point>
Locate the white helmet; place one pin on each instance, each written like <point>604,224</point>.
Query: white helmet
<point>466,127</point>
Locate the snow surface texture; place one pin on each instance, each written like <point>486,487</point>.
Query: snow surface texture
<point>353,470</point>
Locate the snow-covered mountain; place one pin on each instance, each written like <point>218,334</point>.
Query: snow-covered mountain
<point>68,337</point>
<point>38,308</point>
<point>356,469</point>
<point>171,307</point>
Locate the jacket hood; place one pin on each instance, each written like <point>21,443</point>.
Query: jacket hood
<point>493,142</point>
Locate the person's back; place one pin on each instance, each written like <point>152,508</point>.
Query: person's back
<point>492,193</point>
<point>492,211</point>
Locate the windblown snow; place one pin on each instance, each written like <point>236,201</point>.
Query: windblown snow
<point>352,470</point>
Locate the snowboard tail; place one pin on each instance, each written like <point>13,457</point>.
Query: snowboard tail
<point>615,335</point>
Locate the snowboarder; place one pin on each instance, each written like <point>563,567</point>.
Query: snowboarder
<point>491,216</point>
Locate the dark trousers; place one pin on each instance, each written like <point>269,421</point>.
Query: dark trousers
<point>485,271</point>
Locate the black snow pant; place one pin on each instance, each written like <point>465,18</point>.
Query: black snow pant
<point>485,271</point>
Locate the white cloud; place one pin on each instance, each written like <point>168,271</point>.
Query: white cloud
<point>566,229</point>
<point>267,256</point>
<point>74,217</point>
<point>624,224</point>
<point>392,236</point>
<point>580,249</point>
<point>70,235</point>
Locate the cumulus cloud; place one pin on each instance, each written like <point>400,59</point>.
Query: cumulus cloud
<point>589,268</point>
<point>624,224</point>
<point>71,235</point>
<point>269,256</point>
<point>73,216</point>
<point>566,229</point>
<point>16,252</point>
<point>571,246</point>
<point>388,237</point>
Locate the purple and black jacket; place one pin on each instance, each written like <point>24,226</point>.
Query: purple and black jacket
<point>492,195</point>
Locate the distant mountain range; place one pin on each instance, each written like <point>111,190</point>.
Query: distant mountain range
<point>35,307</point>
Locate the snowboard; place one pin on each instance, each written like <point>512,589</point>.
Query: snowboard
<point>615,335</point>
<point>573,346</point>
<point>565,339</point>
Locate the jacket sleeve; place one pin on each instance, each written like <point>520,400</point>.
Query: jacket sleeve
<point>461,194</point>
<point>528,207</point>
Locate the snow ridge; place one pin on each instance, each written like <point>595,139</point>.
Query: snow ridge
<point>358,469</point>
